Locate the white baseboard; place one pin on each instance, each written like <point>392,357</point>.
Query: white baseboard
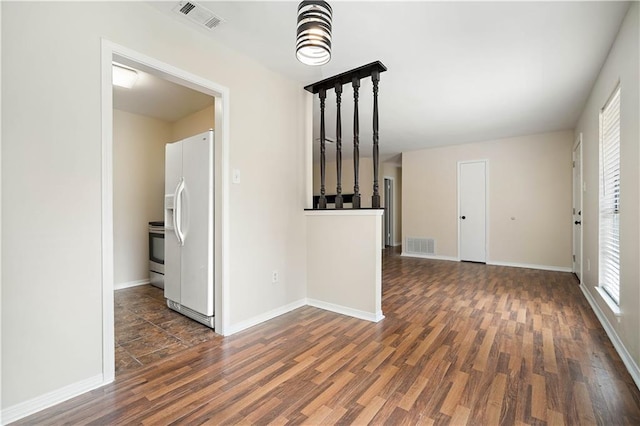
<point>24,409</point>
<point>243,325</point>
<point>532,266</point>
<point>120,286</point>
<point>397,243</point>
<point>429,256</point>
<point>627,359</point>
<point>344,310</point>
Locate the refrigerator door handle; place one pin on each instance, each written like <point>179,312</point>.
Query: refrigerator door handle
<point>177,217</point>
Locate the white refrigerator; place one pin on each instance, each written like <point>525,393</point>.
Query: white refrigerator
<point>188,218</point>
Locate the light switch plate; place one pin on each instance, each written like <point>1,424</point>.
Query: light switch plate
<point>235,177</point>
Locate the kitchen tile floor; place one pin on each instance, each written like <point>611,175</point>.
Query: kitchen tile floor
<point>146,330</point>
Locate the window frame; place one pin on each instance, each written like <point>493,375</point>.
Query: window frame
<point>609,197</point>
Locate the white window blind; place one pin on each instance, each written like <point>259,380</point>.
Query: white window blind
<point>609,264</point>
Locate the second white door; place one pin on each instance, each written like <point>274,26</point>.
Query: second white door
<point>577,209</point>
<point>472,199</point>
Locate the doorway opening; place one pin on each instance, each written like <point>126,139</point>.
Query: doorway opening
<point>124,56</point>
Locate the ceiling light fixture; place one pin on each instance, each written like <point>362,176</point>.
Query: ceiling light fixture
<point>124,77</point>
<point>313,43</point>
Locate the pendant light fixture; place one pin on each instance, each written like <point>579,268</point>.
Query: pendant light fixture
<point>313,44</point>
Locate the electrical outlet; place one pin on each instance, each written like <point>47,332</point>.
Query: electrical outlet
<point>274,276</point>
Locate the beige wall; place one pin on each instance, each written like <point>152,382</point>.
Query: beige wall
<point>138,188</point>
<point>194,124</point>
<point>344,257</point>
<point>621,66</point>
<point>51,183</point>
<point>366,184</point>
<point>365,179</point>
<point>529,179</point>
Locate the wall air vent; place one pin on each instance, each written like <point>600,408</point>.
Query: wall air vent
<point>198,14</point>
<point>421,246</point>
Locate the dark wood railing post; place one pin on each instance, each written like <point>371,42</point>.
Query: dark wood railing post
<point>356,144</point>
<point>339,203</point>
<point>375,198</point>
<point>322,203</point>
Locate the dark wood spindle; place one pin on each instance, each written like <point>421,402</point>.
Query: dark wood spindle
<point>339,202</point>
<point>375,198</point>
<point>337,82</point>
<point>356,144</point>
<point>322,203</point>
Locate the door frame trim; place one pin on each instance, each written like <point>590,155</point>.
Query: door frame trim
<point>486,206</point>
<point>577,144</point>
<point>109,52</point>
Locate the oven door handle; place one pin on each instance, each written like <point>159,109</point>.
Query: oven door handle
<point>177,217</point>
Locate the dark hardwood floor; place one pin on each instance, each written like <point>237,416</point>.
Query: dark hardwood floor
<point>461,343</point>
<point>146,330</point>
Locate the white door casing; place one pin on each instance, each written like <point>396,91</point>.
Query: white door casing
<point>110,52</point>
<point>472,211</point>
<point>577,208</point>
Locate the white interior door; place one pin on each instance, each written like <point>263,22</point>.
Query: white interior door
<point>577,209</point>
<point>197,223</point>
<point>472,186</point>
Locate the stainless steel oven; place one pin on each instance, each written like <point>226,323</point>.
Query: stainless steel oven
<point>156,254</point>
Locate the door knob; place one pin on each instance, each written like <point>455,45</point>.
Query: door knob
<point>463,217</point>
<point>577,222</point>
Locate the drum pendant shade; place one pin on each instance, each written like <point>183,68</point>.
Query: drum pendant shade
<point>313,43</point>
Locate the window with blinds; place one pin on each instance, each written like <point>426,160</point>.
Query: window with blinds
<point>609,264</point>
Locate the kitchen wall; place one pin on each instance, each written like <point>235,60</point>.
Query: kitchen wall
<point>196,123</point>
<point>51,183</point>
<point>620,67</point>
<point>138,145</point>
<point>138,191</point>
<point>529,179</point>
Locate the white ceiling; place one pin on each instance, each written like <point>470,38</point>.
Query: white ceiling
<point>457,71</point>
<point>155,97</point>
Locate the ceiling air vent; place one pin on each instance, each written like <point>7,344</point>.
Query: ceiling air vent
<point>198,14</point>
